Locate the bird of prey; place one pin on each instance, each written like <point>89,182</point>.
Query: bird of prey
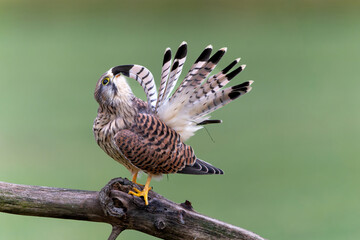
<point>149,136</point>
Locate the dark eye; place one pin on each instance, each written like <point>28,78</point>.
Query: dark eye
<point>105,81</point>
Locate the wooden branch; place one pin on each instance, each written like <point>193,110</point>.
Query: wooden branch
<point>161,218</point>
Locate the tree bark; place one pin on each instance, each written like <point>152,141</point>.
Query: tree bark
<point>161,218</point>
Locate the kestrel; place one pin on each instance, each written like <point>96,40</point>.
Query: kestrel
<point>149,136</point>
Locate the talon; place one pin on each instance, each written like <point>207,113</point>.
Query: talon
<point>133,193</point>
<point>144,192</point>
<point>136,190</point>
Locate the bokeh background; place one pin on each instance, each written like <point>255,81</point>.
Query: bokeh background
<point>290,148</point>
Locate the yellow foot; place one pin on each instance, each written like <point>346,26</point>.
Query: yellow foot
<point>139,191</point>
<point>144,192</point>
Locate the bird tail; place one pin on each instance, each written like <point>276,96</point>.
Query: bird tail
<point>201,167</point>
<point>199,94</point>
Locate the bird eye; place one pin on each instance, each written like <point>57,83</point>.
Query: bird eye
<point>105,81</point>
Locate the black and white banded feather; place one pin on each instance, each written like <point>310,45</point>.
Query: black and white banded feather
<point>143,76</point>
<point>176,69</point>
<point>201,167</point>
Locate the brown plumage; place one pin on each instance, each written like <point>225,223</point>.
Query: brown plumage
<point>148,136</point>
<point>153,147</point>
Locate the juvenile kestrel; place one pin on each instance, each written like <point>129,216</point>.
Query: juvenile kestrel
<point>149,136</point>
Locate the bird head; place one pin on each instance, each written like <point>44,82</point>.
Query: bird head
<point>112,90</point>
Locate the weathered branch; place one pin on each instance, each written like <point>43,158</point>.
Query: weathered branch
<point>161,218</point>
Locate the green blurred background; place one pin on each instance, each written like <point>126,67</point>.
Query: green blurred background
<point>290,148</point>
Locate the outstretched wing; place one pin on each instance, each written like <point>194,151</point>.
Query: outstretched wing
<point>199,94</point>
<point>153,147</point>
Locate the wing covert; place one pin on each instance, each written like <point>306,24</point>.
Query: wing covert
<point>153,147</point>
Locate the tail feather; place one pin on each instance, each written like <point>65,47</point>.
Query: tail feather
<point>201,167</point>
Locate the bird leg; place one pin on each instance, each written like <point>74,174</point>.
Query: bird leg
<point>134,177</point>
<point>144,192</point>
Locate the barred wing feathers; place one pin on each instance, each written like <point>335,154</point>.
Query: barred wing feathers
<point>155,148</point>
<point>176,70</point>
<point>198,94</point>
<point>165,71</point>
<point>143,76</point>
